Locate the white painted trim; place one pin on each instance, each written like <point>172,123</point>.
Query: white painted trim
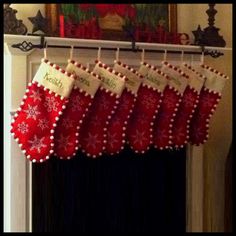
<point>18,171</point>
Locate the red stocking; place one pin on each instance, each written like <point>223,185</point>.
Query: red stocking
<point>208,100</point>
<point>171,99</point>
<point>94,129</point>
<point>67,131</point>
<point>187,106</point>
<point>149,98</point>
<point>36,119</point>
<point>116,130</point>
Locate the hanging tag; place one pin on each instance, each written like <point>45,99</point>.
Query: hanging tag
<point>143,69</point>
<point>133,78</point>
<point>215,81</point>
<point>153,77</point>
<point>113,82</point>
<point>85,80</point>
<point>196,80</point>
<point>177,79</point>
<point>54,79</point>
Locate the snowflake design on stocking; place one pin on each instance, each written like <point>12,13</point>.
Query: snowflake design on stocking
<point>43,124</point>
<point>92,141</point>
<point>116,122</point>
<point>51,104</point>
<point>207,101</point>
<point>77,104</point>
<point>63,142</point>
<point>67,123</point>
<point>94,120</point>
<point>169,101</point>
<point>37,143</point>
<point>198,133</point>
<point>148,101</point>
<point>23,127</point>
<point>162,135</point>
<point>125,105</point>
<point>139,137</point>
<point>104,104</point>
<point>32,112</point>
<point>142,120</point>
<point>180,134</point>
<point>188,100</point>
<point>111,137</point>
<point>36,95</point>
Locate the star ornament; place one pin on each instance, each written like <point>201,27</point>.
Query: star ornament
<point>39,22</point>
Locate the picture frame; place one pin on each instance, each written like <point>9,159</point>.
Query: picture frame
<point>111,25</point>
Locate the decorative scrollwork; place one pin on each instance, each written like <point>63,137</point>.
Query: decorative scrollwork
<point>213,53</point>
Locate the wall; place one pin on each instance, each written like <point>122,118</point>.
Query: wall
<point>217,147</point>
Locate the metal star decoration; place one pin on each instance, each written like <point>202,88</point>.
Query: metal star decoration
<point>39,22</point>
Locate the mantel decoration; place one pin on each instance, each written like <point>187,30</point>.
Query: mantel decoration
<point>39,23</point>
<point>155,23</point>
<point>210,35</point>
<point>11,24</point>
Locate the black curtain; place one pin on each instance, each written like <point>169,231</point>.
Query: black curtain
<point>124,193</point>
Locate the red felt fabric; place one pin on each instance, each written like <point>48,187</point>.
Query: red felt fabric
<point>93,129</point>
<point>34,122</point>
<point>68,129</point>
<point>116,130</point>
<point>183,117</point>
<point>139,132</point>
<point>162,133</point>
<point>199,126</point>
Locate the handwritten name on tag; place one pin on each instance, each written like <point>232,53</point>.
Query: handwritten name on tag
<point>110,81</point>
<point>84,80</point>
<point>54,80</point>
<point>133,80</point>
<point>176,80</point>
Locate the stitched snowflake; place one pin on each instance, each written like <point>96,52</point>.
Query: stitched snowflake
<point>179,134</point>
<point>77,104</point>
<point>36,95</point>
<point>169,101</point>
<point>92,141</point>
<point>32,112</point>
<point>51,104</point>
<point>139,137</point>
<point>43,124</point>
<point>37,143</point>
<point>207,101</point>
<point>63,142</point>
<point>112,139</point>
<point>188,100</point>
<point>23,127</point>
<point>67,123</point>
<point>148,101</point>
<point>162,135</point>
<point>104,104</point>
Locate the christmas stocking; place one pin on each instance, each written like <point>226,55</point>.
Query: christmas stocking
<point>208,100</point>
<point>172,95</point>
<point>94,129</point>
<point>68,130</point>
<point>37,117</point>
<point>149,98</point>
<point>187,106</point>
<point>116,130</point>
